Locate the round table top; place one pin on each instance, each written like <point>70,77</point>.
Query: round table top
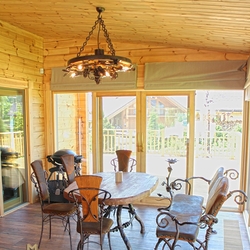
<point>134,187</point>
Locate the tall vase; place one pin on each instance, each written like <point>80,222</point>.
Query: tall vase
<point>123,159</point>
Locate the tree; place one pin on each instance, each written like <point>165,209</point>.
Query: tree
<point>2,126</point>
<point>11,108</point>
<point>154,128</point>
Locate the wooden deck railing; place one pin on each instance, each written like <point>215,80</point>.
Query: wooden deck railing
<point>222,144</point>
<point>225,144</point>
<point>13,140</point>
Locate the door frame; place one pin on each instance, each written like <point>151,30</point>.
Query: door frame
<point>97,123</point>
<point>25,197</point>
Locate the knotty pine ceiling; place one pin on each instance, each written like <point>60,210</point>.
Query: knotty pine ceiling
<point>221,25</point>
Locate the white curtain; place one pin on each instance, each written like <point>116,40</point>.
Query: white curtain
<point>195,75</point>
<point>61,82</point>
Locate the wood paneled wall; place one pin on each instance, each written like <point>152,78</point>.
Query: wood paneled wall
<point>21,58</point>
<point>71,123</point>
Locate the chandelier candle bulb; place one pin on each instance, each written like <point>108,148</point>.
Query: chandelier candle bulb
<point>118,176</point>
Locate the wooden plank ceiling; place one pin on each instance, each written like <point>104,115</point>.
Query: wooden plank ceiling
<point>222,25</point>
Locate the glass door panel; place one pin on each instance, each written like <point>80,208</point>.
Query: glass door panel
<point>218,136</point>
<point>12,134</point>
<point>118,127</point>
<point>166,137</point>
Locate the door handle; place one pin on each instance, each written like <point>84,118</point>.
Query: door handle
<point>139,142</point>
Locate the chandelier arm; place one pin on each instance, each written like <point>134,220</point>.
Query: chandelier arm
<point>88,37</point>
<point>108,40</point>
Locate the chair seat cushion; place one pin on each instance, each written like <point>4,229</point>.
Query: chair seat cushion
<point>186,232</point>
<point>187,204</point>
<point>94,227</point>
<point>186,208</point>
<point>59,209</point>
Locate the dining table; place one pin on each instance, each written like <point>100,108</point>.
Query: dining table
<point>134,187</point>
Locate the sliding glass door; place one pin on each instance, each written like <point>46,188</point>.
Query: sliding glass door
<point>13,161</point>
<point>117,127</point>
<point>166,137</point>
<point>218,136</point>
<point>201,130</point>
<point>154,126</point>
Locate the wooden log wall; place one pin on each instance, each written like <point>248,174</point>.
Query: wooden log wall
<point>21,58</point>
<point>71,123</point>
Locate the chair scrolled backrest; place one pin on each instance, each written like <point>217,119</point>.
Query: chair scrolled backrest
<point>92,201</point>
<point>219,173</point>
<point>68,162</point>
<point>40,176</point>
<point>217,195</point>
<point>123,162</point>
<point>93,182</point>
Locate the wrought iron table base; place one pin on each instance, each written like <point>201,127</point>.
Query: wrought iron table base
<point>120,226</point>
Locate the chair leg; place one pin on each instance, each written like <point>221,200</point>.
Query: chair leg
<point>207,236</point>
<point>68,222</point>
<point>158,243</point>
<point>167,243</point>
<point>79,245</point>
<point>109,240</point>
<point>83,237</point>
<point>65,228</point>
<point>49,226</point>
<point>101,240</point>
<point>41,235</point>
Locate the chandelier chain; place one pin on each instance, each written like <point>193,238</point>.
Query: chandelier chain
<point>106,35</point>
<point>87,38</point>
<point>108,40</point>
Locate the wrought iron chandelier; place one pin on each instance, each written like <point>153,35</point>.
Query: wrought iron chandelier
<point>98,66</point>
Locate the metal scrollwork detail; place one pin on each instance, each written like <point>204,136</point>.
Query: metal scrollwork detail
<point>239,198</point>
<point>162,220</point>
<point>176,185</point>
<point>233,174</point>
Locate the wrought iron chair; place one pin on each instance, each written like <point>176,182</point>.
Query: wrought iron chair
<point>178,184</point>
<point>123,161</point>
<point>185,216</point>
<point>69,167</point>
<point>62,211</point>
<point>91,210</point>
